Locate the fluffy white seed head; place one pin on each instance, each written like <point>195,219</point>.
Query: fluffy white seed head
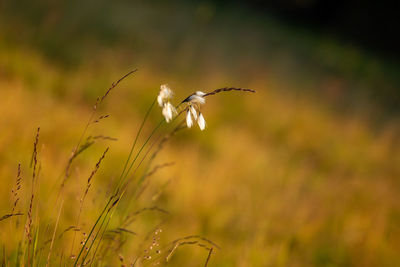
<point>201,122</point>
<point>193,111</point>
<point>189,121</point>
<point>165,95</point>
<point>168,111</point>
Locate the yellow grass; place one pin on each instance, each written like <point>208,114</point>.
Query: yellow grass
<point>278,178</point>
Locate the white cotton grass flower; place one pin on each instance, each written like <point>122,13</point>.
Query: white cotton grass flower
<point>168,111</point>
<point>191,115</point>
<point>189,121</point>
<point>197,97</point>
<point>193,111</point>
<point>163,98</point>
<point>194,102</point>
<point>165,95</point>
<point>201,121</point>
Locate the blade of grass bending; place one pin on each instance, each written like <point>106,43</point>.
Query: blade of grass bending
<point>124,187</point>
<point>138,154</point>
<point>134,172</point>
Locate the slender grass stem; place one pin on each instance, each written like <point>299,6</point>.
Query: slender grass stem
<point>54,233</point>
<point>138,154</point>
<point>136,138</point>
<point>101,238</point>
<point>115,204</point>
<point>94,239</point>
<point>91,231</point>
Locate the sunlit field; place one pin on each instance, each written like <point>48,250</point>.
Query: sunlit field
<point>304,172</point>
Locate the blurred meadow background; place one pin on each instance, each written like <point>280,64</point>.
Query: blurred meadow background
<point>303,173</point>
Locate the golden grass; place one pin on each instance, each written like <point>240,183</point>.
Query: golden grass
<point>276,180</point>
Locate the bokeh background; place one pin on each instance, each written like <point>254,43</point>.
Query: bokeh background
<point>303,173</point>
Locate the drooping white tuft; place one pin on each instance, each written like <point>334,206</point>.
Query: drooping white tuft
<point>189,121</point>
<point>201,121</point>
<point>193,111</point>
<point>160,100</point>
<point>165,95</point>
<point>168,111</point>
<point>163,98</point>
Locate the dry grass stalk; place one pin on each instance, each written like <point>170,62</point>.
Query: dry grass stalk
<point>17,188</point>
<point>101,117</point>
<point>208,257</point>
<point>54,234</point>
<point>217,91</point>
<point>157,168</point>
<point>113,85</point>
<point>88,185</point>
<point>34,162</point>
<point>28,225</point>
<point>196,237</point>
<point>74,154</point>
<point>105,137</point>
<point>227,89</point>
<point>91,176</point>
<point>9,215</point>
<point>131,217</point>
<point>120,230</point>
<point>182,243</point>
<point>77,149</point>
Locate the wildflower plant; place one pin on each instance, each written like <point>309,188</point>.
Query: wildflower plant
<point>163,99</point>
<point>95,237</point>
<point>193,104</point>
